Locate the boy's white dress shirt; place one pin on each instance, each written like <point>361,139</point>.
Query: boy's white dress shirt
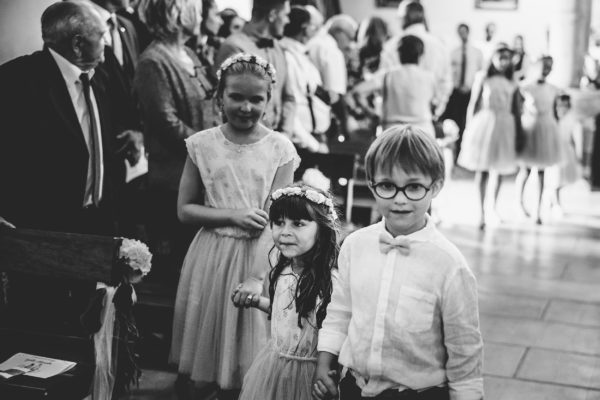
<point>405,321</point>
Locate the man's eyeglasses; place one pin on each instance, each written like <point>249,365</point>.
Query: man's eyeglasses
<point>412,191</point>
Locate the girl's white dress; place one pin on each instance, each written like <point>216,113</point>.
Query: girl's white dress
<point>284,368</point>
<point>214,341</point>
<point>488,141</point>
<point>542,139</point>
<point>569,170</point>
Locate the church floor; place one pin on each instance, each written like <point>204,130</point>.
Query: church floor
<point>539,293</point>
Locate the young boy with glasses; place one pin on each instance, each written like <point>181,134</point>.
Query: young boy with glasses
<point>403,319</point>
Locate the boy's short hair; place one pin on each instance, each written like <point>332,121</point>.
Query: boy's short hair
<point>410,49</point>
<point>407,147</point>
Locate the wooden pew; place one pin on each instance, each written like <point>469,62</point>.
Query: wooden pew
<point>75,259</point>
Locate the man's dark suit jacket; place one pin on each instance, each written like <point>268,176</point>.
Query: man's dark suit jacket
<point>131,47</point>
<point>43,153</point>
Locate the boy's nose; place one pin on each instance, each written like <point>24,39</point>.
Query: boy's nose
<point>400,197</point>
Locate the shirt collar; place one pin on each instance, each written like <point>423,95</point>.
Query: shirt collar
<point>423,235</point>
<point>105,15</point>
<point>293,45</point>
<point>251,31</point>
<point>69,71</point>
<point>416,29</point>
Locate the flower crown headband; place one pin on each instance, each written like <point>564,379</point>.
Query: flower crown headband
<point>309,194</point>
<point>250,59</point>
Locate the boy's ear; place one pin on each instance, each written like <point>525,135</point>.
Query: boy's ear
<point>436,187</point>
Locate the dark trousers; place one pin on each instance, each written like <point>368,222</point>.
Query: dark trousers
<point>456,110</point>
<point>349,390</point>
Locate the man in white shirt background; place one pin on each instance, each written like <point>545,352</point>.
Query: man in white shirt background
<point>467,60</point>
<point>435,57</point>
<point>329,51</point>
<point>313,116</point>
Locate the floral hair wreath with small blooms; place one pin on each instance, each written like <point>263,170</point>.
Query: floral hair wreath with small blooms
<point>309,194</point>
<point>250,59</point>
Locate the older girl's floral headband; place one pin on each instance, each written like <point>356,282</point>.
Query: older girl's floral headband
<point>250,59</point>
<point>309,194</point>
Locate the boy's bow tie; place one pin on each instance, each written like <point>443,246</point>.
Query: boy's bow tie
<point>402,243</point>
<point>265,42</point>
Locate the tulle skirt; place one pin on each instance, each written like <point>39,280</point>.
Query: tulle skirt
<point>489,143</point>
<point>276,376</point>
<point>542,142</point>
<point>213,341</point>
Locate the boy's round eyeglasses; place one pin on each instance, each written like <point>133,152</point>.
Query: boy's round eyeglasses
<point>412,191</point>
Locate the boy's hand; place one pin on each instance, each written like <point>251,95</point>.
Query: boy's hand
<point>325,384</point>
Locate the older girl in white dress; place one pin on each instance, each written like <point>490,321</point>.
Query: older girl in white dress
<point>228,176</point>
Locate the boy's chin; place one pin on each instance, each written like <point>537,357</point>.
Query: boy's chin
<point>398,225</point>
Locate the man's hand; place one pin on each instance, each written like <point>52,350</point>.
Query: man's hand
<point>132,145</point>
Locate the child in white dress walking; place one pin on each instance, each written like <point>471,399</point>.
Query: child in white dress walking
<point>229,174</point>
<point>542,140</point>
<point>304,225</point>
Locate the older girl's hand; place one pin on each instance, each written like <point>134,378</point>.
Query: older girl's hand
<point>247,293</point>
<point>250,218</point>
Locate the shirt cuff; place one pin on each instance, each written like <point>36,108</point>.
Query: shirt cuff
<point>331,342</point>
<point>466,390</point>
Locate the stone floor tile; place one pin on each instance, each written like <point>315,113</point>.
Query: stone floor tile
<point>584,269</point>
<point>573,313</point>
<point>514,306</point>
<point>540,334</point>
<point>513,389</point>
<point>501,360</point>
<point>576,291</point>
<point>561,367</point>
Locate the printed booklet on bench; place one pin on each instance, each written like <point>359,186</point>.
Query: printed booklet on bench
<point>31,365</point>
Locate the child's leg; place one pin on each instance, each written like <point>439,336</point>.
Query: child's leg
<point>540,195</point>
<point>481,180</point>
<point>497,182</point>
<point>522,178</point>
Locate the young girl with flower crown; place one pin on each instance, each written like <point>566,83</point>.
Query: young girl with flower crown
<point>228,176</point>
<point>304,225</point>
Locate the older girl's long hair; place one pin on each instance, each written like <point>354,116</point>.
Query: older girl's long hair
<point>313,291</point>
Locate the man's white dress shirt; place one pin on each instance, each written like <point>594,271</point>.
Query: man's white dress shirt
<point>325,54</point>
<point>474,63</point>
<point>71,74</point>
<point>435,58</point>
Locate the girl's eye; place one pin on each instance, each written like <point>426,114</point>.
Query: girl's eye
<point>278,222</point>
<point>299,223</point>
<point>235,97</point>
<point>256,100</point>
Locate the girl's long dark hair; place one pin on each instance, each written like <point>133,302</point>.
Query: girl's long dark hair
<point>314,283</point>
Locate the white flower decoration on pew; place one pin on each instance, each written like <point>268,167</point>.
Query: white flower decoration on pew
<point>136,255</point>
<point>309,194</point>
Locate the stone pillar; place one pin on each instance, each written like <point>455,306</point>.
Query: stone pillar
<point>568,39</point>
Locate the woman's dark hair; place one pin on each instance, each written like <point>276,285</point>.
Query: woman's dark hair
<point>298,16</point>
<point>410,49</point>
<point>227,15</point>
<point>376,35</point>
<point>206,6</point>
<point>314,283</point>
<point>492,71</point>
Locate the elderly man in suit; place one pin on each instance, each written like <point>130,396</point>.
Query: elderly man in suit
<point>58,166</point>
